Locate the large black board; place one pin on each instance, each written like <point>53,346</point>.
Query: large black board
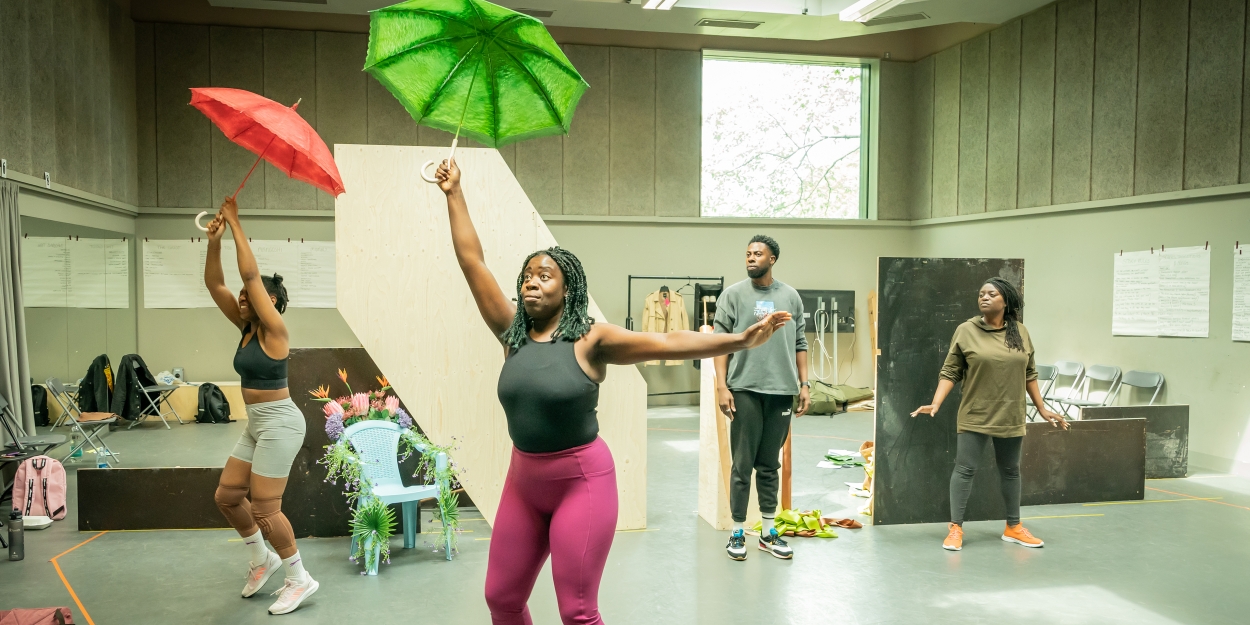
<point>920,303</point>
<point>1167,435</point>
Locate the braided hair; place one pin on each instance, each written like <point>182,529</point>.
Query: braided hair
<point>576,321</point>
<point>1011,313</point>
<point>274,287</point>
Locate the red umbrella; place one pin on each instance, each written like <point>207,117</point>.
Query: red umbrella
<point>274,132</point>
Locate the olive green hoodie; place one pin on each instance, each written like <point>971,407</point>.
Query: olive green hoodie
<point>994,378</point>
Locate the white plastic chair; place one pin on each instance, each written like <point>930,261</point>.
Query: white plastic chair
<point>377,444</point>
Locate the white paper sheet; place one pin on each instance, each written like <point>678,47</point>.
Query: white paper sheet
<point>307,271</point>
<point>86,273</point>
<point>59,272</point>
<point>117,274</point>
<point>1135,295</point>
<point>1185,292</point>
<point>45,272</point>
<point>1241,294</point>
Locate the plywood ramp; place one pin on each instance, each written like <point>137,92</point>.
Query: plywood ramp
<point>401,291</point>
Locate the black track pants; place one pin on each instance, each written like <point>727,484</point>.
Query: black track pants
<point>758,430</point>
<point>969,451</point>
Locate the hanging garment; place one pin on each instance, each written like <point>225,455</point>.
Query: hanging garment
<point>130,400</point>
<point>665,314</point>
<point>96,390</point>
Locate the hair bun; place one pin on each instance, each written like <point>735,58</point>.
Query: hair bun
<point>277,279</point>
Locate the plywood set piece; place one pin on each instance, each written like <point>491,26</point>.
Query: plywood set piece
<point>402,293</point>
<point>1167,435</point>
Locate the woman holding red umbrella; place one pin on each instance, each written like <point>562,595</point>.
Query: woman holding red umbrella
<point>250,491</point>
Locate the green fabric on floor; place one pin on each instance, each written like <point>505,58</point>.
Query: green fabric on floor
<point>806,521</point>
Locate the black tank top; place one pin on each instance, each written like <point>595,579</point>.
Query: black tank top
<point>255,368</point>
<point>549,400</point>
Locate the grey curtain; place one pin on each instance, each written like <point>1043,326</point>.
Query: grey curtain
<point>14,359</point>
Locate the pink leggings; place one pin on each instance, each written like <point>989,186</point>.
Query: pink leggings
<point>561,503</point>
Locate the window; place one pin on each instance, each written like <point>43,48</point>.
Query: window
<point>782,138</point>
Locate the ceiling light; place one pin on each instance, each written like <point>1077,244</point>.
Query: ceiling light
<point>712,23</point>
<point>865,10</point>
<point>651,4</point>
<point>667,5</point>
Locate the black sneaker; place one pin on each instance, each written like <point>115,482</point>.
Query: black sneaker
<point>737,547</point>
<point>772,543</point>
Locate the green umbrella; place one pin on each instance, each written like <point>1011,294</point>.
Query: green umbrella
<point>475,69</point>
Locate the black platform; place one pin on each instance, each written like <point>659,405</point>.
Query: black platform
<point>1167,435</point>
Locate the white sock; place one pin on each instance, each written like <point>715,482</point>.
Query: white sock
<point>256,548</point>
<point>766,525</point>
<point>294,567</point>
<point>737,526</point>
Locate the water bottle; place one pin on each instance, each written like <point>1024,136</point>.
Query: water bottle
<point>17,548</point>
<point>74,443</point>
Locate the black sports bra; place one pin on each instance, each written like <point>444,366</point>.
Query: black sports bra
<point>255,368</point>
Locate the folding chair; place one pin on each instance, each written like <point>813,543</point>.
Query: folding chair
<point>1046,375</point>
<point>88,425</point>
<point>162,392</point>
<point>1089,397</point>
<point>71,392</point>
<point>1071,371</point>
<point>1149,380</point>
<point>17,434</point>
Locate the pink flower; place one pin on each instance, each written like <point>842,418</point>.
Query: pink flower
<point>331,409</point>
<point>392,404</point>
<point>360,404</point>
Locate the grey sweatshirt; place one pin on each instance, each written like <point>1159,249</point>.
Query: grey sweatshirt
<point>769,368</point>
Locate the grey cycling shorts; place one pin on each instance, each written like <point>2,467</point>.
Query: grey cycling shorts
<point>274,435</point>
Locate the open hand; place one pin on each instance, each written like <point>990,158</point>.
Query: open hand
<point>448,176</point>
<point>759,333</point>
<point>1056,420</point>
<point>928,409</point>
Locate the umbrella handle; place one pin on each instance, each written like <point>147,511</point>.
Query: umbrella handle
<point>426,166</point>
<point>198,218</point>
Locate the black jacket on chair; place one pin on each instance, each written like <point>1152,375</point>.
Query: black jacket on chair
<point>128,395</point>
<point>96,390</point>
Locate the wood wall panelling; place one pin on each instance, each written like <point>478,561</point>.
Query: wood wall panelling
<point>1213,94</point>
<point>15,122</point>
<point>1003,147</point>
<point>238,62</point>
<point>631,112</point>
<point>678,132</point>
<point>922,126</point>
<point>895,137</point>
<point>183,139</point>
<point>974,86</point>
<point>290,76</point>
<point>586,147</point>
<point>65,60</point>
<point>122,104</point>
<point>42,43</point>
<point>1037,107</point>
<point>946,133</point>
<point>1115,99</point>
<point>1162,59</point>
<point>145,112</point>
<point>1074,100</point>
<point>540,170</point>
<point>342,94</point>
<point>389,123</point>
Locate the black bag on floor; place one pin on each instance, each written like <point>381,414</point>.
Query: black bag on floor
<point>213,407</point>
<point>39,397</point>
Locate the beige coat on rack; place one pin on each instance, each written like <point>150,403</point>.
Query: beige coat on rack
<point>658,317</point>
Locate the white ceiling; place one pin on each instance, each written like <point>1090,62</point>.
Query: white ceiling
<point>782,19</point>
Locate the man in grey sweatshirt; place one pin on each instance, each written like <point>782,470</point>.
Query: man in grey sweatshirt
<point>756,389</point>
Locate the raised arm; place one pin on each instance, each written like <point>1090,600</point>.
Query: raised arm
<point>618,346</point>
<point>497,310</point>
<point>257,296</point>
<point>215,278</point>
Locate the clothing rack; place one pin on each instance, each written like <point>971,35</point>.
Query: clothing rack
<point>629,291</point>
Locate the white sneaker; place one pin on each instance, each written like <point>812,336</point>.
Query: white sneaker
<point>293,593</point>
<point>258,575</point>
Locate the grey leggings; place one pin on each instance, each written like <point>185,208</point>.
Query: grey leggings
<point>969,451</point>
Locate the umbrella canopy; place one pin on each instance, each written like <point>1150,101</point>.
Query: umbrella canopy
<point>274,132</point>
<point>474,68</point>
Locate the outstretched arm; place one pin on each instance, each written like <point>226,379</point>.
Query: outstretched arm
<point>495,307</point>
<point>257,296</point>
<point>618,346</point>
<point>215,278</point>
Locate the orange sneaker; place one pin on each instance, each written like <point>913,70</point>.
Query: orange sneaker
<point>955,539</point>
<point>1021,536</point>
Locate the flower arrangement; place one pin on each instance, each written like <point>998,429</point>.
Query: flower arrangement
<point>373,523</point>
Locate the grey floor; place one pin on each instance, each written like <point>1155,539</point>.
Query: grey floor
<point>1171,559</point>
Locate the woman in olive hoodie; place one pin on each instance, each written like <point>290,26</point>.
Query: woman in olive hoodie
<point>993,357</point>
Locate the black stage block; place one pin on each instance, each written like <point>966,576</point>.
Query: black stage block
<point>148,499</point>
<point>182,498</point>
<point>920,303</point>
<point>1091,461</point>
<point>1167,435</point>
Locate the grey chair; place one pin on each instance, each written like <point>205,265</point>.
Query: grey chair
<point>161,393</point>
<point>1089,397</point>
<point>1046,375</point>
<point>39,444</point>
<point>1068,375</point>
<point>88,425</point>
<point>1149,380</point>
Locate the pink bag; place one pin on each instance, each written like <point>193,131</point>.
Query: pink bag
<point>37,616</point>
<point>39,488</point>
